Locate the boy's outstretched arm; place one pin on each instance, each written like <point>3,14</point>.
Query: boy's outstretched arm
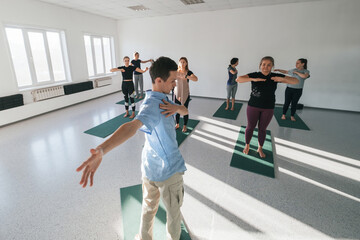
<point>170,109</point>
<point>123,133</point>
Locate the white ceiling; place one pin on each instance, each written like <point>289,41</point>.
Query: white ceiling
<point>118,9</point>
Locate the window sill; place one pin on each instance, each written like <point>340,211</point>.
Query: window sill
<point>102,76</point>
<point>25,89</point>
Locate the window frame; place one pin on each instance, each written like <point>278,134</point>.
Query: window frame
<point>112,54</point>
<point>29,57</point>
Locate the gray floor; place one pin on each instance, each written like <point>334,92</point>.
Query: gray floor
<point>315,195</point>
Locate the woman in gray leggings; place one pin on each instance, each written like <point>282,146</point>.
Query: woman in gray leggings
<point>231,86</point>
<point>138,77</point>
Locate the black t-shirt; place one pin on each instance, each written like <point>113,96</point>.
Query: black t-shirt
<point>189,73</point>
<point>136,63</point>
<point>128,74</point>
<point>263,93</point>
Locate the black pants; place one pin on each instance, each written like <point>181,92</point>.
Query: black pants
<point>128,89</point>
<point>186,117</point>
<point>292,95</point>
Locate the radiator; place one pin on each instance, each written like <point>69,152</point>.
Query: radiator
<point>103,81</point>
<point>46,93</point>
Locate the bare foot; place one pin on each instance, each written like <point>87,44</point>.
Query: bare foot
<point>177,126</point>
<point>232,109</point>
<point>261,153</point>
<point>283,117</point>
<point>141,97</point>
<point>126,114</point>
<point>292,119</point>
<point>184,128</point>
<point>246,149</point>
<point>227,107</point>
<point>132,115</point>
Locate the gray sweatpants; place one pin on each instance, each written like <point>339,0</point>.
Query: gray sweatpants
<point>231,91</point>
<point>139,81</point>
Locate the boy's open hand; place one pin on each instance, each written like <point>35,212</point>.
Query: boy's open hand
<point>90,166</point>
<point>169,109</point>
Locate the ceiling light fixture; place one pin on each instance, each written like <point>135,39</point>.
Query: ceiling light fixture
<point>139,8</point>
<point>191,2</point>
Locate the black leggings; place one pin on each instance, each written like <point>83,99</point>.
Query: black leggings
<point>186,117</point>
<point>292,95</point>
<point>127,88</point>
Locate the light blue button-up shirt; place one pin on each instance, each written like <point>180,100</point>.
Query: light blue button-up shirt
<point>161,157</point>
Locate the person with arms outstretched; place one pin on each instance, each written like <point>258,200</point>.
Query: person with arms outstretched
<point>127,85</point>
<point>138,76</point>
<point>293,92</point>
<point>261,105</point>
<point>162,163</point>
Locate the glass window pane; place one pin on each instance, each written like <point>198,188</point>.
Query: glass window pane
<point>98,56</point>
<point>89,56</point>
<point>107,54</point>
<point>38,52</point>
<point>56,55</point>
<point>19,57</point>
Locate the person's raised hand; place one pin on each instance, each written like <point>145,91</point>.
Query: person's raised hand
<point>90,166</point>
<point>169,109</point>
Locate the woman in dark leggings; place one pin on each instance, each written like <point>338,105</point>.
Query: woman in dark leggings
<point>294,92</point>
<point>261,105</point>
<point>127,85</point>
<point>182,92</point>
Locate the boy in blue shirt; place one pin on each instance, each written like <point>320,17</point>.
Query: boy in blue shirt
<point>162,164</point>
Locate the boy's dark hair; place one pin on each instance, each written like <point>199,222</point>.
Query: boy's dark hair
<point>161,68</point>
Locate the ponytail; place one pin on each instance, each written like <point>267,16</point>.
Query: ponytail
<point>304,61</point>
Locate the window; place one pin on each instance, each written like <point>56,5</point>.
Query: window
<point>99,54</point>
<point>38,56</point>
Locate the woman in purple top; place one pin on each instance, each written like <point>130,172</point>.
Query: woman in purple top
<point>261,105</point>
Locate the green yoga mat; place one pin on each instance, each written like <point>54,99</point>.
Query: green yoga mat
<point>180,136</point>
<point>222,113</point>
<point>252,162</point>
<point>107,128</point>
<point>131,199</point>
<point>136,100</point>
<point>298,124</point>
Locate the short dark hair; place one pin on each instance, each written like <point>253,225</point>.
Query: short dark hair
<point>161,68</point>
<point>233,61</point>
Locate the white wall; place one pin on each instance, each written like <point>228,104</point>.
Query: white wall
<point>75,24</point>
<point>325,32</point>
